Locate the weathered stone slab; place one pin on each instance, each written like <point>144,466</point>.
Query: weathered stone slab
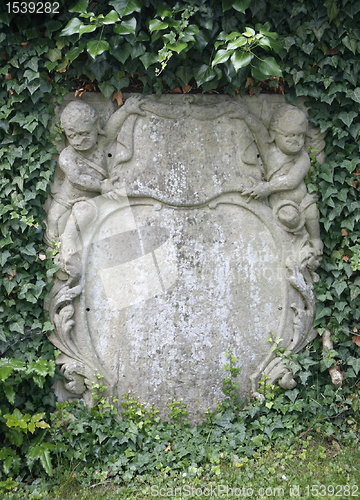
<point>185,229</point>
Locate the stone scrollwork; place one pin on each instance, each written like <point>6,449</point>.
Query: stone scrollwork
<point>285,162</point>
<point>72,208</point>
<point>169,219</point>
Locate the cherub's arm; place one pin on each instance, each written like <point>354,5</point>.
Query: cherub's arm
<point>116,120</point>
<point>212,112</point>
<point>78,179</point>
<point>259,131</point>
<point>293,178</point>
<point>284,182</point>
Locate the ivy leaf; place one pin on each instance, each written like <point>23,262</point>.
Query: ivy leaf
<point>110,18</point>
<point>52,26</point>
<point>142,37</point>
<point>257,440</point>
<point>355,363</point>
<point>237,43</point>
<point>239,5</point>
<point>354,292</point>
<point>72,27</point>
<point>350,43</point>
<point>256,6</point>
<point>9,393</point>
<point>106,89</point>
<point>53,54</point>
<point>289,42</point>
<point>204,74</point>
<point>29,250</point>
<point>125,7</point>
<point>339,286</point>
<point>86,28</point>
<point>264,69</point>
<point>226,5</point>
<point>241,59</point>
<point>221,56</point>
<point>4,257</point>
<point>354,94</point>
<point>30,75</point>
<point>185,74</point>
<point>326,363</point>
<point>292,394</point>
<point>122,52</point>
<point>192,30</point>
<point>138,50</point>
<point>148,59</point>
<point>74,52</point>
<point>224,421</point>
<point>177,47</point>
<point>79,6</point>
<point>332,9</point>
<point>33,64</point>
<point>202,40</point>
<point>304,376</point>
<point>347,118</point>
<point>97,47</point>
<point>127,27</point>
<point>156,25</point>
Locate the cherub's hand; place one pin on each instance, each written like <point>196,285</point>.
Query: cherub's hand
<point>113,179</point>
<point>133,105</point>
<point>262,190</point>
<point>239,111</point>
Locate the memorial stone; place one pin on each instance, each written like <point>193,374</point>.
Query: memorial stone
<point>184,228</point>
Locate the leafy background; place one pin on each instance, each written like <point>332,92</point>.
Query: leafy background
<point>155,47</point>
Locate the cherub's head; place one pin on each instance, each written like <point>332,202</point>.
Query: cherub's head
<point>288,128</point>
<point>79,121</point>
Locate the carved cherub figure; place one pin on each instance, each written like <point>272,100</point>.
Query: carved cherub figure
<point>286,162</point>
<point>84,161</point>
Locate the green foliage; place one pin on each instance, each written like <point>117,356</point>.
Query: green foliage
<point>230,384</point>
<point>177,412</point>
<point>240,47</point>
<point>137,412</point>
<point>162,46</point>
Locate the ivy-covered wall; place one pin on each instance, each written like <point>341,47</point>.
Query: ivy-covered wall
<point>153,46</point>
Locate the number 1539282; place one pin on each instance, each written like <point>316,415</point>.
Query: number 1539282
<point>338,490</point>
<point>33,7</point>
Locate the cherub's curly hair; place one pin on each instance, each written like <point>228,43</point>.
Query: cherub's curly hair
<point>286,115</point>
<point>78,111</point>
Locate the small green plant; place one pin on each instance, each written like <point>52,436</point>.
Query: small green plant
<point>230,385</point>
<point>178,412</point>
<point>136,412</point>
<point>275,341</point>
<point>240,48</point>
<point>97,388</point>
<point>103,403</point>
<point>355,258</point>
<point>179,32</point>
<point>313,173</point>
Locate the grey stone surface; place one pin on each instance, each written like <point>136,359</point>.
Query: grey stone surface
<point>184,229</point>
